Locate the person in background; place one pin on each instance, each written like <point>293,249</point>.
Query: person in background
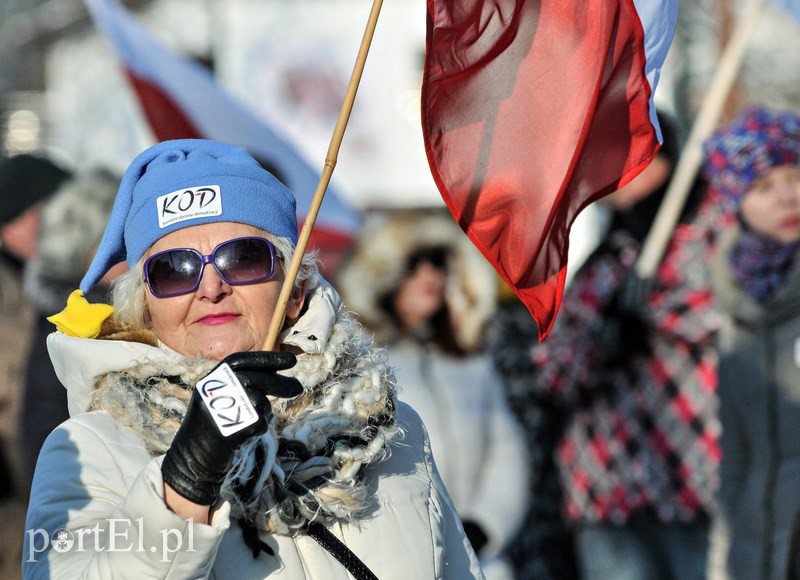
<point>419,285</point>
<point>71,222</point>
<point>636,376</point>
<point>191,451</point>
<point>544,547</point>
<point>754,162</point>
<point>26,181</point>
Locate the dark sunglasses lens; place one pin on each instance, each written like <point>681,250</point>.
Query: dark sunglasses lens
<point>435,256</point>
<point>173,272</point>
<point>438,258</point>
<point>242,261</point>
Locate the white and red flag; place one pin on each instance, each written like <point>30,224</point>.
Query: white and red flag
<point>532,109</point>
<point>182,100</point>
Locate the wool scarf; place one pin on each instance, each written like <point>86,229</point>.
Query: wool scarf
<point>760,265</point>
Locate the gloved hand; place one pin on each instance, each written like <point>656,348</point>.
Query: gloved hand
<point>633,294</point>
<point>222,415</point>
<point>625,329</point>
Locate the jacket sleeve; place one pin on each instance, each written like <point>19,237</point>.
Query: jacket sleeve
<point>459,560</point>
<point>454,558</point>
<point>564,362</point>
<point>88,518</point>
<point>501,501</point>
<point>734,467</point>
<point>681,304</point>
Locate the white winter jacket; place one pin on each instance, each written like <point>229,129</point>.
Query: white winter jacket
<point>477,442</point>
<point>97,511</point>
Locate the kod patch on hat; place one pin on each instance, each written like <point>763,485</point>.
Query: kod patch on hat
<point>186,204</point>
<point>187,182</point>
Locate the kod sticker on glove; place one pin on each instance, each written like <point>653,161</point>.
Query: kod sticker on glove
<point>226,400</point>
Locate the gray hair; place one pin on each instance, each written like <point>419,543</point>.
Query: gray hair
<point>129,291</point>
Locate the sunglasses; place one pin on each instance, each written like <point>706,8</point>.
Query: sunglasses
<point>238,261</point>
<point>436,256</point>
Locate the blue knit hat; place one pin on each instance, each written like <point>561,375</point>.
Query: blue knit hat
<point>754,142</point>
<point>188,182</point>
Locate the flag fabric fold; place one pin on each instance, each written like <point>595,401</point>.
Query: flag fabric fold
<point>532,109</point>
<point>181,99</point>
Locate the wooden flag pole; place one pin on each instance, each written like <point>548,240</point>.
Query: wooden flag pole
<point>330,162</point>
<point>692,155</point>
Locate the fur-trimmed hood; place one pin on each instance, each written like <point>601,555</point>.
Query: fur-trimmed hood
<point>380,260</point>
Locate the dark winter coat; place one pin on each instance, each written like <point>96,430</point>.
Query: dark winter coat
<point>759,391</point>
<point>639,388</point>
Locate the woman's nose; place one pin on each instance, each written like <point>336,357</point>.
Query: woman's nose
<point>212,287</point>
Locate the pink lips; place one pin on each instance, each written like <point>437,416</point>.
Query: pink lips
<point>219,318</point>
<point>791,222</point>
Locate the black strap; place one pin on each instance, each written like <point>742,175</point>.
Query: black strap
<point>341,552</point>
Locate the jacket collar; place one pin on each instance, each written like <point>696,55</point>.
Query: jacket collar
<point>79,361</point>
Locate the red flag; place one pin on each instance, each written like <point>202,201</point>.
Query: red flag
<point>531,109</point>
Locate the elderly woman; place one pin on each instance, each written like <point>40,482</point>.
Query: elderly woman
<point>190,453</point>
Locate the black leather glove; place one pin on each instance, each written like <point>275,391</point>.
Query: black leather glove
<point>625,331</point>
<point>633,294</point>
<point>219,419</point>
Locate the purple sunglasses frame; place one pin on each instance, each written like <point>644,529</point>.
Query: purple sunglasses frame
<point>209,259</point>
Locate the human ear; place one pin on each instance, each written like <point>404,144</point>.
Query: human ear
<point>296,302</point>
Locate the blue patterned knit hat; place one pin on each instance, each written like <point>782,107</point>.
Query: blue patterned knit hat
<point>188,182</point>
<point>756,141</point>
